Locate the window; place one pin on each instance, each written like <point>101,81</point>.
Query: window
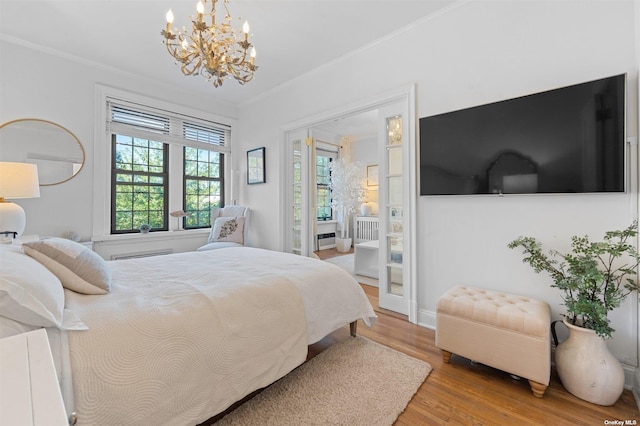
<point>159,156</point>
<point>139,186</point>
<point>323,175</point>
<point>203,189</point>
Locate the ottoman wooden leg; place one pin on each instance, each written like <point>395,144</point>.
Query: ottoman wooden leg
<point>538,389</point>
<point>446,355</point>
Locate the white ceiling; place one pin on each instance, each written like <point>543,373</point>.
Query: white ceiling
<point>292,37</point>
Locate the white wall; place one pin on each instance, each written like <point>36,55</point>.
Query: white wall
<point>475,53</point>
<point>36,84</point>
<point>365,150</point>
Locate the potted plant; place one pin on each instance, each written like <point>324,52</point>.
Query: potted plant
<point>346,191</point>
<point>595,278</point>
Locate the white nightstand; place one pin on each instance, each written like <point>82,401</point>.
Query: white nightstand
<point>29,390</point>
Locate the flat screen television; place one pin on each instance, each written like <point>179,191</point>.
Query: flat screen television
<point>567,140</point>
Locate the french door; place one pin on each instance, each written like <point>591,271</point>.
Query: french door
<point>394,271</point>
<point>297,220</point>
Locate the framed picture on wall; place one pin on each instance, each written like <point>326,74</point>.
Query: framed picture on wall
<point>372,175</point>
<point>256,166</point>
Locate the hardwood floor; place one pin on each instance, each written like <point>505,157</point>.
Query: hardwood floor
<point>464,393</point>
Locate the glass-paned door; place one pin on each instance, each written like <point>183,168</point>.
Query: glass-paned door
<point>393,259</point>
<point>297,220</point>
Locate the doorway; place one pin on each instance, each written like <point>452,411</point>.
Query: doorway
<point>355,137</point>
<point>390,171</point>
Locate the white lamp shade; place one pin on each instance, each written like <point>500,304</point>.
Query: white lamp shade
<point>18,180</point>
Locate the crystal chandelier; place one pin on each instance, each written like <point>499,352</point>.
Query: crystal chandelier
<point>214,51</point>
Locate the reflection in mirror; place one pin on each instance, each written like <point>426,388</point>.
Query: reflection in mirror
<point>56,151</point>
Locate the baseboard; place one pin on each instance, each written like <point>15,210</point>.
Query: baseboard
<point>628,376</point>
<point>636,387</point>
<point>427,319</point>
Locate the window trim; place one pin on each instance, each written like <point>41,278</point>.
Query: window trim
<point>102,157</point>
<point>333,156</point>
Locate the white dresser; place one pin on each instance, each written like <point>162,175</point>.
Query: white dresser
<point>29,389</point>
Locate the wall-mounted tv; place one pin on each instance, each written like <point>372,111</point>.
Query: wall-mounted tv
<point>567,140</point>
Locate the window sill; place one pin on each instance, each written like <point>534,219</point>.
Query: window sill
<point>152,236</point>
<point>327,222</point>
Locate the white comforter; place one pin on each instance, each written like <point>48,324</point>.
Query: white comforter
<point>182,337</point>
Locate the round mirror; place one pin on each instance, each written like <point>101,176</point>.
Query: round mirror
<point>56,151</point>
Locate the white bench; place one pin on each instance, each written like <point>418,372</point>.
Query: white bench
<point>504,331</point>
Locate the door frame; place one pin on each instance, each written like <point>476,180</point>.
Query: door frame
<point>407,95</point>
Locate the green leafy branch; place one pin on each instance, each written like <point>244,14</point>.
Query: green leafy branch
<point>596,277</point>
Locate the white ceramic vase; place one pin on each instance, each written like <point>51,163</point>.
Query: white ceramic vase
<point>587,368</point>
<point>343,245</point>
<point>366,209</point>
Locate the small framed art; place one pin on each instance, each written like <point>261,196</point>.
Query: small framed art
<point>256,166</point>
<point>372,175</point>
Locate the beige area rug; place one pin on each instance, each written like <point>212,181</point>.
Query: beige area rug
<point>355,382</point>
<point>346,262</point>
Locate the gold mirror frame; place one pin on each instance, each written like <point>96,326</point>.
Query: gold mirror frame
<point>25,143</point>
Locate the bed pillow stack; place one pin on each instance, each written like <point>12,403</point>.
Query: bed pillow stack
<point>31,296</point>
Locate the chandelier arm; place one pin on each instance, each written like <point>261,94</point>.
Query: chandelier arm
<point>185,58</point>
<point>188,66</point>
<point>212,14</point>
<point>226,8</point>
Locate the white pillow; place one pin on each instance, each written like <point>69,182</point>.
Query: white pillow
<point>228,229</point>
<point>78,268</point>
<point>9,327</point>
<point>29,292</point>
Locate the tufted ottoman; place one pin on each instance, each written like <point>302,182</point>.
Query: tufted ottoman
<point>504,331</point>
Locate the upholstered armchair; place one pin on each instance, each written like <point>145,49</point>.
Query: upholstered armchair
<point>229,227</point>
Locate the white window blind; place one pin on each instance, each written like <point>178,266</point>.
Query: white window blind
<point>164,126</point>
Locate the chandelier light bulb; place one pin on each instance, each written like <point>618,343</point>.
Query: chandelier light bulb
<point>200,8</point>
<point>245,27</point>
<point>253,52</point>
<point>169,20</point>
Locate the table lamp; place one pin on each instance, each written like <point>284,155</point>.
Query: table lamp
<point>178,214</point>
<point>17,180</point>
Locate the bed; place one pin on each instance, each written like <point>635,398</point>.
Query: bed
<point>177,339</point>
